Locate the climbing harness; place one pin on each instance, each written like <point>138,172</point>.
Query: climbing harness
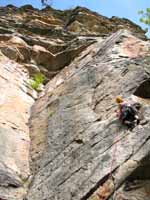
<point>108,186</point>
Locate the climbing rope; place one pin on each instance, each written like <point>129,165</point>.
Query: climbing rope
<point>107,188</point>
<point>116,140</point>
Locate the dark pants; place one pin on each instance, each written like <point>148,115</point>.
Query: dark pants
<point>130,120</point>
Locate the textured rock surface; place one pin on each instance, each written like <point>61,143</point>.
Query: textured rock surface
<point>73,150</point>
<point>15,103</point>
<point>49,38</point>
<point>54,23</point>
<point>73,140</point>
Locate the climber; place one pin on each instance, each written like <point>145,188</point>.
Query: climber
<point>128,113</point>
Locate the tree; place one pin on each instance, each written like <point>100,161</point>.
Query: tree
<point>46,2</point>
<point>145,17</point>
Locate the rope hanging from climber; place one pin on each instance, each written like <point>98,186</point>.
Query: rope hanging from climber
<point>128,114</point>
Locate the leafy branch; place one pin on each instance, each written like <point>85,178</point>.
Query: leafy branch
<point>145,17</point>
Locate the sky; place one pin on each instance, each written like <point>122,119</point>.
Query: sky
<point>121,8</point>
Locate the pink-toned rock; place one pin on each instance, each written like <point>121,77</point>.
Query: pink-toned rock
<point>133,47</point>
<point>15,106</point>
<point>16,49</point>
<point>38,48</point>
<point>17,40</point>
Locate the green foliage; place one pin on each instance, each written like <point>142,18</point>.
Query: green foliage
<point>145,17</point>
<point>46,2</point>
<point>36,80</point>
<point>148,10</point>
<point>50,113</point>
<point>140,12</point>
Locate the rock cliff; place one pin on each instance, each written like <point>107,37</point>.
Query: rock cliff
<point>62,140</point>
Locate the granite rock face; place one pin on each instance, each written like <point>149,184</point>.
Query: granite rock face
<point>15,102</point>
<point>81,141</point>
<point>66,143</point>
